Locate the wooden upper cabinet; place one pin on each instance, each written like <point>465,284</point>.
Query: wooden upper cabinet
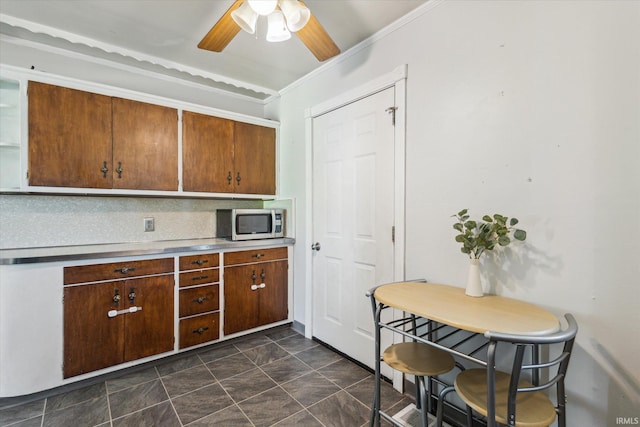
<point>145,146</point>
<point>84,140</point>
<point>207,152</point>
<point>69,137</point>
<point>255,159</point>
<point>225,156</point>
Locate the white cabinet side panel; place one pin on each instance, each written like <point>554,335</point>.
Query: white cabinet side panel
<point>30,328</point>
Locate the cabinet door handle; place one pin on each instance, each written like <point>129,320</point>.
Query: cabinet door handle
<point>229,178</point>
<point>263,275</point>
<point>200,300</point>
<point>119,169</point>
<point>116,297</point>
<point>104,170</point>
<point>238,179</point>
<point>132,295</point>
<point>200,262</point>
<point>200,330</point>
<point>124,270</point>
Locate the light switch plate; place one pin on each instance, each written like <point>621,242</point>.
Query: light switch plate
<point>149,224</point>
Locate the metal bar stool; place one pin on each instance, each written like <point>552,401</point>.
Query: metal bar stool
<point>519,402</point>
<point>422,361</point>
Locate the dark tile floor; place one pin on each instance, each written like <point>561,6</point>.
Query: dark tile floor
<point>277,377</point>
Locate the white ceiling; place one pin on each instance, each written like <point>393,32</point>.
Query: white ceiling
<point>162,35</point>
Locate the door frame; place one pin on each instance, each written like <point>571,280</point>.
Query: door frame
<point>397,79</point>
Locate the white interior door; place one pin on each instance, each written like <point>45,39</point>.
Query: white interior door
<point>353,216</point>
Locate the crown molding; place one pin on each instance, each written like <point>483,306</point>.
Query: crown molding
<point>103,53</point>
<point>401,22</point>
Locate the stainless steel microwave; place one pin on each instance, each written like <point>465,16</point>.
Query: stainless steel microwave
<point>248,224</point>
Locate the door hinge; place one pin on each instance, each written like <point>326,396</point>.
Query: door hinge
<point>393,234</point>
<point>392,111</point>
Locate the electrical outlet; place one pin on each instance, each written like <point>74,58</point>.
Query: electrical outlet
<point>149,224</point>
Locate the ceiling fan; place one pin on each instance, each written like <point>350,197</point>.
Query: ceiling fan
<point>284,17</point>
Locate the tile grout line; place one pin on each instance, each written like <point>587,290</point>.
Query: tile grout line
<point>106,388</point>
<point>169,396</point>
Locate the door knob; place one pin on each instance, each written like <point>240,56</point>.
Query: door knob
<point>315,246</point>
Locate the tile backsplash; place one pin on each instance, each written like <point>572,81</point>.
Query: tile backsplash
<point>44,220</point>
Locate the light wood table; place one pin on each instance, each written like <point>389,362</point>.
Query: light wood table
<point>450,306</point>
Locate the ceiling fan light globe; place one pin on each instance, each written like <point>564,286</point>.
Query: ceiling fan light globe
<point>245,17</point>
<point>263,7</point>
<point>295,13</point>
<point>277,28</point>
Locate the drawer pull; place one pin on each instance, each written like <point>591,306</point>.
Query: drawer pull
<point>200,330</point>
<point>200,261</point>
<point>200,300</point>
<point>257,256</point>
<point>199,277</point>
<point>256,287</point>
<point>124,270</point>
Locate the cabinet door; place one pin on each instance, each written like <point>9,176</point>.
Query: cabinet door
<point>148,331</point>
<point>69,137</point>
<point>240,301</point>
<point>207,151</point>
<point>273,297</point>
<point>92,339</point>
<point>145,146</point>
<point>255,159</point>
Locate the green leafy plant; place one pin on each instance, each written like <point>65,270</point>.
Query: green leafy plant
<point>479,236</point>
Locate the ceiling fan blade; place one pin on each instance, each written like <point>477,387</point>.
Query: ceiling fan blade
<point>223,32</point>
<point>317,40</point>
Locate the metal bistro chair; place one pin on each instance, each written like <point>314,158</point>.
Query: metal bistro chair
<point>517,401</point>
<point>418,359</point>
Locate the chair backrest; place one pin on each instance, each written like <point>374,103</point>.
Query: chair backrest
<point>557,365</point>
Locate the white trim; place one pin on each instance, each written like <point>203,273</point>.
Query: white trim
<point>23,75</point>
<point>396,78</point>
<point>399,23</point>
<point>356,94</point>
<point>308,231</point>
<point>36,28</point>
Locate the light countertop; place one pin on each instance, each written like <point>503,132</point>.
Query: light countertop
<point>112,250</point>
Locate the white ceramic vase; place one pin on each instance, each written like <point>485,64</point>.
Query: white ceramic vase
<point>474,285</point>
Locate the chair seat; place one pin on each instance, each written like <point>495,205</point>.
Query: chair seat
<point>418,359</point>
<point>533,409</point>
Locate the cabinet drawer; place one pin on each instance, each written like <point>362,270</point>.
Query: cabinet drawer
<point>199,300</point>
<point>259,255</point>
<point>199,277</point>
<point>194,262</point>
<point>116,270</point>
<point>199,329</point>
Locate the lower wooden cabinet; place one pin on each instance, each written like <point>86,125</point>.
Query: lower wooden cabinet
<point>122,311</point>
<point>199,329</point>
<point>118,320</point>
<point>255,288</point>
<point>199,300</point>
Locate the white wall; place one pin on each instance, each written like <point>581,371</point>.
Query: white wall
<point>528,109</point>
